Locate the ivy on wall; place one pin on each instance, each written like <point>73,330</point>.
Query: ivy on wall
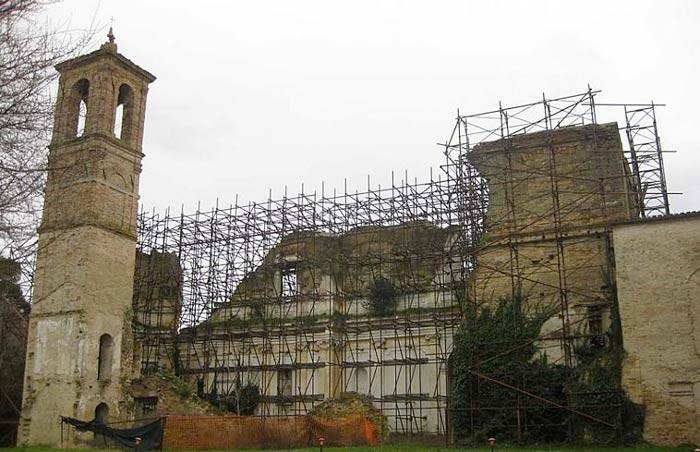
<point>498,342</point>
<point>504,387</point>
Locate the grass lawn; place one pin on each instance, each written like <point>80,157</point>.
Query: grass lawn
<point>414,448</point>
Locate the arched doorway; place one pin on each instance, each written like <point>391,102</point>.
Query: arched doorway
<point>101,413</point>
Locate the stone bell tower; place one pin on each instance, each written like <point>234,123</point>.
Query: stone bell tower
<point>79,351</point>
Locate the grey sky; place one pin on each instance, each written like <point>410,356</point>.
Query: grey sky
<point>262,94</point>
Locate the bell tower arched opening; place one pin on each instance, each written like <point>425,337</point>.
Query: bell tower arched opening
<point>77,108</point>
<point>124,113</point>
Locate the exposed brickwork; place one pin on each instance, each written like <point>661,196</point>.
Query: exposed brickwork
<point>548,247</point>
<point>585,165</point>
<point>553,198</point>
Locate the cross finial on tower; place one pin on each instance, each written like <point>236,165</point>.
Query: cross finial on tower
<point>110,45</point>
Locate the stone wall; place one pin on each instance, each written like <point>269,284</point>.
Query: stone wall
<point>399,363</point>
<point>319,338</point>
<point>584,165</point>
<point>78,272</point>
<point>658,281</point>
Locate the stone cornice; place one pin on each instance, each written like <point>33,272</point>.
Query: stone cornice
<point>106,52</point>
<point>98,138</point>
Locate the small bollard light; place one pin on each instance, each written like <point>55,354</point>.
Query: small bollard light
<point>492,442</point>
<point>321,442</point>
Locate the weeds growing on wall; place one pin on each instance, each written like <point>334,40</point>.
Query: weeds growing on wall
<point>381,300</point>
<point>500,378</point>
<point>597,379</point>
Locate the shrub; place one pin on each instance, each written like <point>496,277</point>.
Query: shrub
<point>381,299</point>
<point>243,400</point>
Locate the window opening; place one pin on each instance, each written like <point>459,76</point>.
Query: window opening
<point>289,283</point>
<point>104,358</point>
<point>284,383</point>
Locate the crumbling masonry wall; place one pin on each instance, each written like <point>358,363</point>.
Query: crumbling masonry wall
<point>227,303</point>
<point>156,311</point>
<point>319,331</point>
<point>552,198</point>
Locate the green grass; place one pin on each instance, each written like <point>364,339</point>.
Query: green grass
<point>414,447</point>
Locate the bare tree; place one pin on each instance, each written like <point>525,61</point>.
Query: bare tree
<point>28,51</point>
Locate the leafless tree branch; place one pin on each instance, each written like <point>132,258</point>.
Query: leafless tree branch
<point>29,49</point>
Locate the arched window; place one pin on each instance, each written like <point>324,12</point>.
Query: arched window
<point>104,359</point>
<point>123,114</point>
<point>101,413</point>
<point>289,283</point>
<point>77,108</point>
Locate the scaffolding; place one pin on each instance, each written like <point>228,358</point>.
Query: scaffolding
<point>283,294</point>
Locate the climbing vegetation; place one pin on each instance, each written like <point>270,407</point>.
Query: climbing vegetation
<point>505,385</point>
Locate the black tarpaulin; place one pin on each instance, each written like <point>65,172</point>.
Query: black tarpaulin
<point>151,434</point>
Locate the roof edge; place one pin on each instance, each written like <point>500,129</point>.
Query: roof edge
<point>669,217</point>
<point>106,52</point>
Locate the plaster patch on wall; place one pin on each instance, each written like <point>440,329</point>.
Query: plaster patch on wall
<point>60,332</point>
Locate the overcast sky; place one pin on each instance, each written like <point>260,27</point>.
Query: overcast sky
<point>261,94</point>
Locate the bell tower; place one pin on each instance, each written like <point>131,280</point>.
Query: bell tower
<point>79,349</point>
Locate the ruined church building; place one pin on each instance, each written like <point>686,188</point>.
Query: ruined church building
<point>314,295</point>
